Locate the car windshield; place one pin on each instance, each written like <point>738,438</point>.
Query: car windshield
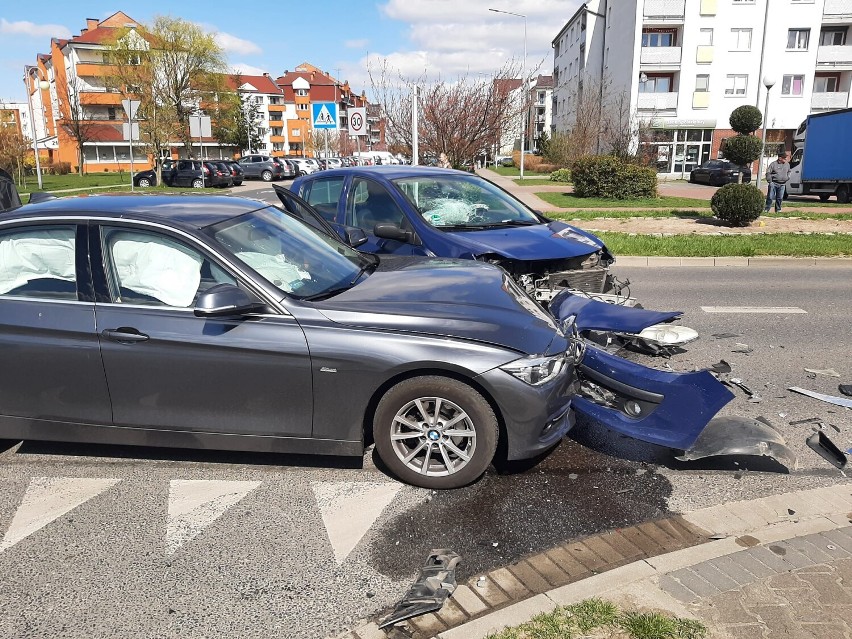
<point>291,255</point>
<point>457,201</point>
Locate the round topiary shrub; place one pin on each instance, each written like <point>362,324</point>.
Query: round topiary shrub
<point>561,175</point>
<point>746,119</point>
<point>743,149</point>
<point>607,176</point>
<point>737,204</point>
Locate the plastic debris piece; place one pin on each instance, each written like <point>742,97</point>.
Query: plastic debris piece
<point>809,420</point>
<point>741,385</point>
<point>436,582</point>
<point>742,348</point>
<point>837,428</point>
<point>740,436</point>
<point>845,389</point>
<point>791,512</point>
<point>828,372</point>
<point>573,476</point>
<point>720,367</point>
<point>825,448</point>
<point>831,399</point>
<point>725,335</point>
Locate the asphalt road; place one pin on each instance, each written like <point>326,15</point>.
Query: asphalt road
<point>106,542</point>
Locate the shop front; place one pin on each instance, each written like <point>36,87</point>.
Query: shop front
<point>676,147</point>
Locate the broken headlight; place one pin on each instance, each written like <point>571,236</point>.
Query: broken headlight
<point>536,370</point>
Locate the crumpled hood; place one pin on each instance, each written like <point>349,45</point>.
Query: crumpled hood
<point>551,241</point>
<point>456,298</point>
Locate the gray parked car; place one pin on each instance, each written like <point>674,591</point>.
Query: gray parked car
<point>224,323</point>
<point>263,167</point>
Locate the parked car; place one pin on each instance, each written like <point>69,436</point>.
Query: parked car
<point>303,167</point>
<point>221,174</point>
<point>719,172</point>
<point>415,210</point>
<point>263,167</point>
<point>223,323</point>
<point>145,178</point>
<point>287,169</point>
<point>194,173</point>
<point>237,172</point>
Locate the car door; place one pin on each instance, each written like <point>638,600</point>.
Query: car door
<point>167,368</point>
<point>369,203</point>
<point>50,361</point>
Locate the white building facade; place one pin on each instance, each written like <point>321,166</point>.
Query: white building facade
<point>686,64</point>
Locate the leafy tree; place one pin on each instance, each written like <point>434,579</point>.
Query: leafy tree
<point>76,119</point>
<point>746,119</point>
<point>14,148</point>
<point>236,117</point>
<point>744,148</point>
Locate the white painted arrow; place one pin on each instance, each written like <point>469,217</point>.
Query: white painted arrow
<point>349,509</point>
<point>194,504</point>
<point>47,499</point>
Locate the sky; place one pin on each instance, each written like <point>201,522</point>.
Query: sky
<point>345,38</point>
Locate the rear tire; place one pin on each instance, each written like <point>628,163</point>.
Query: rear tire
<point>843,194</point>
<point>266,176</point>
<point>435,432</point>
<point>198,183</point>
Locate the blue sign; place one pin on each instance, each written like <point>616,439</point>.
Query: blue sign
<point>324,115</point>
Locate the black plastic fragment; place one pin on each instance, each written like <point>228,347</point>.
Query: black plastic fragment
<point>720,367</point>
<point>809,420</point>
<point>826,449</point>
<point>436,582</point>
<point>846,389</point>
<point>725,335</point>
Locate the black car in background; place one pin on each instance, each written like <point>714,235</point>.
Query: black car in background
<point>237,173</point>
<point>145,179</point>
<point>719,172</point>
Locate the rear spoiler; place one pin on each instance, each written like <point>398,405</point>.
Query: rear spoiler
<point>9,197</point>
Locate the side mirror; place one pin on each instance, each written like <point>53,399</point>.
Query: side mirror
<point>355,237</point>
<point>393,232</point>
<point>225,300</point>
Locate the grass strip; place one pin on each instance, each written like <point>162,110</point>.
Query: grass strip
<point>682,214</point>
<point>569,200</point>
<point>538,182</point>
<point>74,181</point>
<point>734,245</point>
<point>580,619</point>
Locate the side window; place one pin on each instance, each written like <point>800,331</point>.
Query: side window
<point>157,270</point>
<point>324,195</point>
<point>38,261</point>
<point>370,204</point>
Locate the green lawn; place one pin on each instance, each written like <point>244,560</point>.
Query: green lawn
<point>514,171</point>
<point>126,189</point>
<point>569,200</point>
<point>538,182</point>
<point>74,181</point>
<point>689,214</point>
<point>789,244</point>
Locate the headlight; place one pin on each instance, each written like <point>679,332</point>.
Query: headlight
<point>535,370</point>
<point>573,234</point>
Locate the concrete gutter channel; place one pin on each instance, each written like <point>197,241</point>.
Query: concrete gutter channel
<point>669,565</point>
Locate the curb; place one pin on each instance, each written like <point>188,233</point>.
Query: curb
<point>765,261</point>
<point>721,548</point>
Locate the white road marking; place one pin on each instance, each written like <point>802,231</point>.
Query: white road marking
<point>194,504</point>
<point>752,309</point>
<point>349,509</point>
<point>47,499</point>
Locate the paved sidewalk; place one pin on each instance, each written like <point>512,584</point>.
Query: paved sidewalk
<point>776,567</point>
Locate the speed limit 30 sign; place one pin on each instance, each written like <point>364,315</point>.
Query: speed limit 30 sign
<point>357,121</point>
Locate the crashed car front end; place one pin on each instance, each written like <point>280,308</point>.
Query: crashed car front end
<point>677,410</point>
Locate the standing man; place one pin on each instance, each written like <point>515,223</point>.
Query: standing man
<point>777,174</point>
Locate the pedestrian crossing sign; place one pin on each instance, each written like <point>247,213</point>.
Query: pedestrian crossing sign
<point>324,115</point>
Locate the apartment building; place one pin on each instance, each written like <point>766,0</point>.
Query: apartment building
<point>14,114</point>
<point>274,117</point>
<point>540,114</point>
<point>684,65</point>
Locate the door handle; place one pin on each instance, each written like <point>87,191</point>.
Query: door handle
<point>124,335</point>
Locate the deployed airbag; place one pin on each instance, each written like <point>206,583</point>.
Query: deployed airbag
<point>31,255</point>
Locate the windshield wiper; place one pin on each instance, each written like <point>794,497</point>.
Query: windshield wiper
<point>516,223</point>
<point>368,267</point>
<point>326,294</point>
<point>460,227</point>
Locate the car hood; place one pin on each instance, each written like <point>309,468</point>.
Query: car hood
<point>549,241</point>
<point>454,298</point>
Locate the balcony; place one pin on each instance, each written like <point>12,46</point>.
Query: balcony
<point>657,102</point>
<point>837,10</point>
<point>700,99</point>
<point>660,56</point>
<point>100,97</point>
<point>276,122</point>
<point>277,107</point>
<point>834,56</point>
<point>664,10</point>
<point>95,69</point>
<point>276,138</point>
<point>829,100</point>
<point>704,54</point>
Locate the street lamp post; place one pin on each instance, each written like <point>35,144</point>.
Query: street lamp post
<point>768,82</point>
<point>525,84</point>
<point>41,85</point>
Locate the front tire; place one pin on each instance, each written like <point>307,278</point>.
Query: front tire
<point>435,432</point>
<point>144,183</point>
<point>843,194</point>
<point>266,176</point>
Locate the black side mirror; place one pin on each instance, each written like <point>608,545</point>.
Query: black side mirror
<point>225,300</point>
<point>355,237</point>
<point>393,232</point>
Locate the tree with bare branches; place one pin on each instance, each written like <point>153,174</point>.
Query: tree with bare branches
<point>76,120</point>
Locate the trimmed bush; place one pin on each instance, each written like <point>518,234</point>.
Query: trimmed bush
<point>742,150</point>
<point>561,175</point>
<point>610,177</point>
<point>746,119</point>
<point>737,204</point>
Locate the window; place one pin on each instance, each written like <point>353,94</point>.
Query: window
<point>792,84</point>
<point>740,39</point>
<point>157,270</point>
<point>826,83</point>
<point>38,261</point>
<point>302,107</point>
<point>370,204</point>
<point>295,132</point>
<point>301,92</point>
<point>736,84</point>
<point>797,39</point>
<point>832,37</point>
<point>656,84</point>
<point>705,37</point>
<point>658,38</point>
<point>324,195</point>
<point>743,1</point>
<point>702,83</point>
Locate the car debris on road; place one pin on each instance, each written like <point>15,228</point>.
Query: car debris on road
<point>436,582</point>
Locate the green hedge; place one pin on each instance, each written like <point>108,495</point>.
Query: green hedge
<point>610,177</point>
<point>561,175</point>
<point>737,204</point>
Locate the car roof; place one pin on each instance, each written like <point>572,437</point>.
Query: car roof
<point>391,171</point>
<point>189,211</point>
